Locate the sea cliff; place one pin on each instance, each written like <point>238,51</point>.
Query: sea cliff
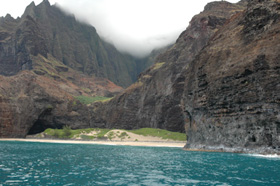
<point>219,83</point>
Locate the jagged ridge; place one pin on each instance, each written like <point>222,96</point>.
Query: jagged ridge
<point>45,29</point>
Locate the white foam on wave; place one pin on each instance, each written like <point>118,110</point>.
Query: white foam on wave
<point>14,181</point>
<point>271,156</point>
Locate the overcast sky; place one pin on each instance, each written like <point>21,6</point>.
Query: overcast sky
<point>134,26</point>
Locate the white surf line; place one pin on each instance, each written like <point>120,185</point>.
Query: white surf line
<point>264,156</point>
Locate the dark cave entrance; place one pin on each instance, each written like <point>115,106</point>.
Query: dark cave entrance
<point>39,126</point>
<point>45,121</point>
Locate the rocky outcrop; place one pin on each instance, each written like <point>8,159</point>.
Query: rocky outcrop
<point>45,29</point>
<point>155,100</point>
<point>14,55</point>
<point>232,88</point>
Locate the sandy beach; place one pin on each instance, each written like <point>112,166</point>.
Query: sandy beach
<point>127,143</point>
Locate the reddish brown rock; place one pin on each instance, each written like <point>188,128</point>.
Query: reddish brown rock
<point>31,103</point>
<point>27,100</point>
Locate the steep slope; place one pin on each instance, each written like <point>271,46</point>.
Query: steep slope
<point>155,100</point>
<point>232,88</point>
<point>46,30</point>
<point>85,85</point>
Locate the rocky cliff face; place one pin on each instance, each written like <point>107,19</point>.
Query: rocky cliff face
<point>155,100</point>
<point>231,94</point>
<point>219,82</point>
<point>14,55</point>
<point>45,29</point>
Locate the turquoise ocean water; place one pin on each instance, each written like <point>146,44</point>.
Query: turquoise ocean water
<point>28,163</point>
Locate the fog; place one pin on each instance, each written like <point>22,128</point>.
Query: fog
<point>133,26</point>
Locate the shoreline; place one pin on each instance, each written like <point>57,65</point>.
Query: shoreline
<point>120,143</point>
<point>173,144</point>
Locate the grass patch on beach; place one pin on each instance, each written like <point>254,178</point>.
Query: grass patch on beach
<point>88,100</point>
<point>68,133</point>
<point>102,133</point>
<point>164,134</point>
<point>97,133</point>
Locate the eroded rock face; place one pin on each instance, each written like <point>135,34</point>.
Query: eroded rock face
<point>155,100</point>
<point>15,51</point>
<point>232,88</point>
<point>28,100</point>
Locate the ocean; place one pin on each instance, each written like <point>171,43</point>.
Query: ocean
<point>30,163</point>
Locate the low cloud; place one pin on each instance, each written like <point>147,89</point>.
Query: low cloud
<point>133,26</point>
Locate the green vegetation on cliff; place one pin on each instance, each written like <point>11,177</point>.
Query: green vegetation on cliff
<point>88,100</point>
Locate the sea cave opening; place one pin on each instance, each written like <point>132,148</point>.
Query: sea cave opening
<point>39,126</point>
<point>44,121</point>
